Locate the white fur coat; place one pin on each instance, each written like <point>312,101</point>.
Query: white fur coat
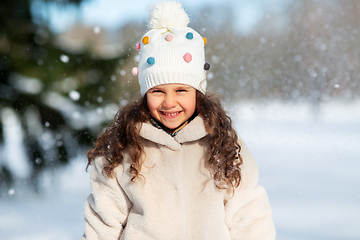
<point>177,199</point>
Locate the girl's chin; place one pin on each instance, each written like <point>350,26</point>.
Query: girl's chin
<point>172,128</point>
<point>172,124</point>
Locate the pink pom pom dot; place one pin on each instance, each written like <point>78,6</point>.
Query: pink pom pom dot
<point>187,57</point>
<point>138,46</point>
<point>169,37</point>
<point>135,71</point>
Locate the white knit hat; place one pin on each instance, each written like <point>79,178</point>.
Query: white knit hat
<point>171,52</point>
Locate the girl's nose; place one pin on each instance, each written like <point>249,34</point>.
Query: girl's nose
<point>169,101</point>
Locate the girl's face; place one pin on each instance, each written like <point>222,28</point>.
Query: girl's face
<point>171,104</point>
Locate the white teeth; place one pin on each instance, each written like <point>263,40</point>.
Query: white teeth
<point>170,114</point>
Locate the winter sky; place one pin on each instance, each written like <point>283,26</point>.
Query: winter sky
<point>111,14</point>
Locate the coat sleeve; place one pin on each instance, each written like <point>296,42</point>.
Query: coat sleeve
<point>248,213</point>
<point>107,207</point>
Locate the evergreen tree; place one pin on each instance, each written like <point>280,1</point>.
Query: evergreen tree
<point>53,92</point>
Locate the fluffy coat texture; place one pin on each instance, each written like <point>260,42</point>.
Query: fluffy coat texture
<point>177,198</point>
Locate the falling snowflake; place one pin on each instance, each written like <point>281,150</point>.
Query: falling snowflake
<point>97,29</point>
<point>74,95</point>
<point>64,58</point>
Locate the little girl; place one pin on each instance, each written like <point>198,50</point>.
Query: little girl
<point>171,166</point>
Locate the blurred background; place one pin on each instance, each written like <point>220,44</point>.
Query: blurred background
<point>289,72</point>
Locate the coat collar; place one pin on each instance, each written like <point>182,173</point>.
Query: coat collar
<point>195,130</point>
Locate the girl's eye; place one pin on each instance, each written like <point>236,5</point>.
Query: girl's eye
<point>181,90</point>
<point>157,91</point>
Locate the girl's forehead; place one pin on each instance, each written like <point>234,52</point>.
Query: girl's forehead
<point>173,85</point>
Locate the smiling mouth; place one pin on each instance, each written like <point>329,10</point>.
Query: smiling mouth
<point>170,114</point>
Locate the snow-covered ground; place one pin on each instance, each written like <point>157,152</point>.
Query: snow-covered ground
<point>309,165</point>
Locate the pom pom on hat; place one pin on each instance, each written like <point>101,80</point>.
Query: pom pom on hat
<point>168,14</point>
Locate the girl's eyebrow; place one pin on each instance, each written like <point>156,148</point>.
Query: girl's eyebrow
<point>155,88</point>
<point>183,87</point>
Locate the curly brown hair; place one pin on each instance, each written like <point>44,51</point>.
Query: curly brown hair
<point>223,158</point>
